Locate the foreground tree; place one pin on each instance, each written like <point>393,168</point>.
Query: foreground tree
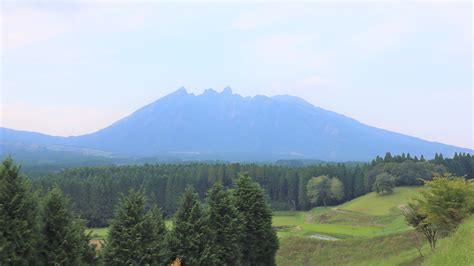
<point>188,236</point>
<point>323,188</point>
<point>384,183</point>
<point>154,242</point>
<point>224,227</point>
<point>444,204</point>
<point>63,239</point>
<point>135,237</point>
<point>447,201</point>
<point>415,217</point>
<point>260,242</point>
<point>18,217</point>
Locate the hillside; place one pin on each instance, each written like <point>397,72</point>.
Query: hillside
<point>457,249</point>
<point>373,204</point>
<point>228,126</point>
<point>347,234</point>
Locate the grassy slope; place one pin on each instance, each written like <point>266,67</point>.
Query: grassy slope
<point>373,230</point>
<point>98,233</point>
<point>372,227</point>
<point>373,204</point>
<point>457,249</point>
<point>371,235</point>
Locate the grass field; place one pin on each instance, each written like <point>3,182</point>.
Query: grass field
<point>101,233</point>
<point>98,233</point>
<point>373,204</point>
<point>457,249</point>
<point>371,231</point>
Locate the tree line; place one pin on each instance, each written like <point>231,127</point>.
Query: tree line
<point>231,227</point>
<point>94,191</point>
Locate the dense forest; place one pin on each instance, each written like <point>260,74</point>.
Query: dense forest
<point>95,191</point>
<point>231,227</point>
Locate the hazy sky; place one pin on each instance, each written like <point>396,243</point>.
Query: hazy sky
<point>70,69</point>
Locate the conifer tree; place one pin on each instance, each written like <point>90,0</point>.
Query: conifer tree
<point>135,237</point>
<point>260,242</point>
<point>63,241</point>
<point>224,224</point>
<point>388,157</point>
<point>188,236</point>
<point>18,217</point>
<point>155,239</point>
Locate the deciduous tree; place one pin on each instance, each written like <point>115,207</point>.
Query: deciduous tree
<point>384,183</point>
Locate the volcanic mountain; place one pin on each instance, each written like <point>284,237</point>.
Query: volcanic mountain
<point>228,126</point>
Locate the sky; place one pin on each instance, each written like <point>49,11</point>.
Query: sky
<point>70,68</point>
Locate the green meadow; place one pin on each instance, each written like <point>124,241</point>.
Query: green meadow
<point>457,249</point>
<point>101,233</point>
<point>370,230</point>
<point>377,205</point>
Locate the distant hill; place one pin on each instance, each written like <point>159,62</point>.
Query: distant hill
<point>227,126</point>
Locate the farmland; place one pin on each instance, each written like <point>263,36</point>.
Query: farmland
<point>368,229</point>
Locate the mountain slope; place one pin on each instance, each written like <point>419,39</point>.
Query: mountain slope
<point>228,126</point>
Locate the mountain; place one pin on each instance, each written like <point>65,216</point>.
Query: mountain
<point>231,127</point>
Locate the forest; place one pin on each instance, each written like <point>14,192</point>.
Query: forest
<point>94,191</point>
<point>230,227</point>
<point>220,214</point>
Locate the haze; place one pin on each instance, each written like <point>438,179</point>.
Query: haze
<point>74,68</point>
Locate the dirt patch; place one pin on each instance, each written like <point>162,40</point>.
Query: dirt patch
<point>98,243</point>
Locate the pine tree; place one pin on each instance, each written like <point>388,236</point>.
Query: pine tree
<point>260,242</point>
<point>388,157</point>
<point>18,217</point>
<point>422,158</point>
<point>188,236</point>
<point>135,237</point>
<point>224,226</point>
<point>155,240</point>
<point>63,239</point>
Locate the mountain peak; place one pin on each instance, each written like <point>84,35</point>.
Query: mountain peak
<point>224,125</point>
<point>209,91</point>
<point>227,90</point>
<point>181,90</point>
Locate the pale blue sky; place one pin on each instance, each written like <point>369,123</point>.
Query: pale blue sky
<point>70,69</point>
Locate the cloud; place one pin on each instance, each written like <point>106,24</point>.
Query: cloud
<point>385,35</point>
<point>312,81</point>
<point>289,50</point>
<point>264,17</point>
<point>305,87</point>
<point>28,23</point>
